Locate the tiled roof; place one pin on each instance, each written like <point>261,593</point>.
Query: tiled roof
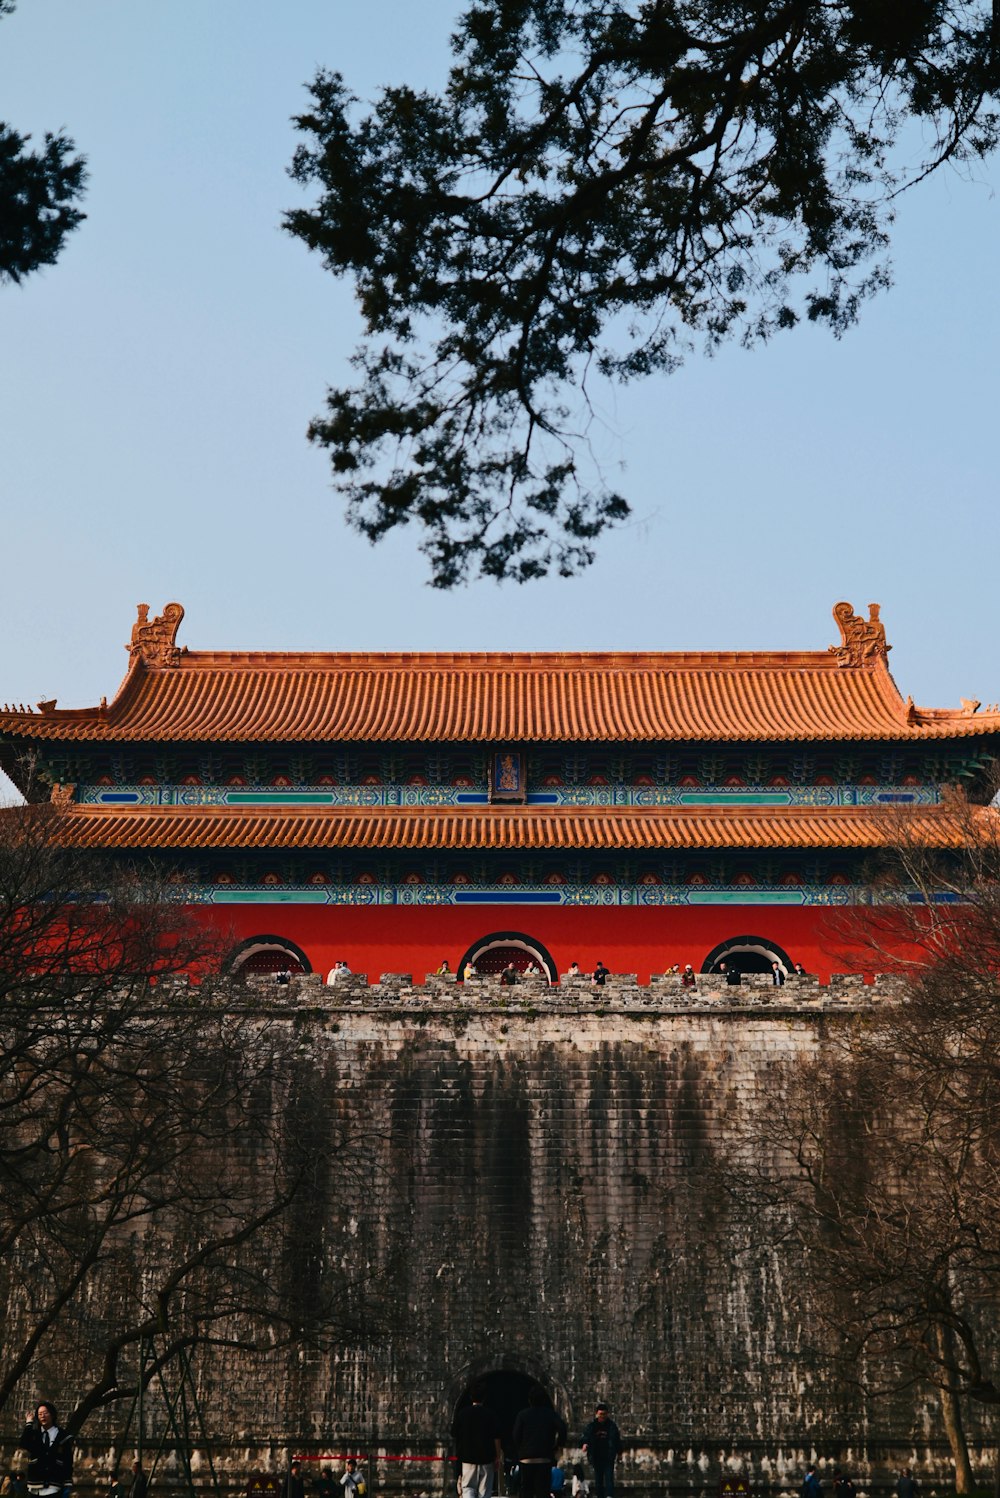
<point>501,698</point>
<point>495,827</point>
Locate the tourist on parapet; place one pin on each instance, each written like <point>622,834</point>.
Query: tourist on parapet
<point>352,1481</point>
<point>811,1487</point>
<point>602,1443</point>
<point>688,979</point>
<point>538,1434</point>
<point>476,1433</point>
<point>777,974</point>
<point>508,975</point>
<point>601,974</point>
<point>799,970</point>
<point>470,970</point>
<point>731,974</point>
<point>573,971</point>
<point>335,974</point>
<point>532,970</point>
<point>325,1485</point>
<point>843,1487</point>
<point>50,1470</point>
<point>444,968</point>
<point>907,1486</point>
<point>294,1484</point>
<point>139,1485</point>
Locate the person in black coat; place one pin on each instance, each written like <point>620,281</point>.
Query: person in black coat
<point>476,1434</point>
<point>294,1484</point>
<point>538,1434</point>
<point>50,1450</point>
<point>602,1442</point>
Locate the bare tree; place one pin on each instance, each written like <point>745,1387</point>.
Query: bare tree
<point>148,1168</point>
<point>882,1156</point>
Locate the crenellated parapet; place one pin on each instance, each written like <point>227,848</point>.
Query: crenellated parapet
<point>622,993</point>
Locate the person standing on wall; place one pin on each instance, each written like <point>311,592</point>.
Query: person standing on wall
<point>50,1470</point>
<point>476,1433</point>
<point>602,1443</point>
<point>538,1434</point>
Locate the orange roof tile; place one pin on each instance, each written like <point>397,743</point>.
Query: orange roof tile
<point>493,827</point>
<point>489,699</point>
<point>846,692</point>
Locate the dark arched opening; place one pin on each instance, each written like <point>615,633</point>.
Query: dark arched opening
<point>747,954</point>
<point>492,953</point>
<point>260,955</point>
<point>506,1391</point>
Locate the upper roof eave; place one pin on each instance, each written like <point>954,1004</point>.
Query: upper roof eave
<point>846,693</point>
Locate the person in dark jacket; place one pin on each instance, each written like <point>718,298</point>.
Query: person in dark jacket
<point>139,1486</point>
<point>602,1442</point>
<point>906,1487</point>
<point>538,1434</point>
<point>843,1487</point>
<point>476,1433</point>
<point>811,1487</point>
<point>325,1485</point>
<point>51,1450</point>
<point>294,1485</point>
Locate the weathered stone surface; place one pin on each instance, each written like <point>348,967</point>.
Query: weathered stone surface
<point>536,1195</point>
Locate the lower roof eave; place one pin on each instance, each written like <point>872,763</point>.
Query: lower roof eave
<point>504,827</point>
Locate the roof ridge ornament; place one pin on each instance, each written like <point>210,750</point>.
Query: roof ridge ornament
<point>153,640</point>
<point>862,641</point>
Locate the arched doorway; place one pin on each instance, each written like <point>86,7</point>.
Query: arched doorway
<point>506,1392</point>
<point>506,1382</point>
<point>747,954</point>
<point>492,953</point>
<point>262,955</point>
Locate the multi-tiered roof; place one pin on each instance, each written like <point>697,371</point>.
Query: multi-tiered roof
<point>174,695</point>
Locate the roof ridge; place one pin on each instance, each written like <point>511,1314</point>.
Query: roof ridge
<point>537,660</point>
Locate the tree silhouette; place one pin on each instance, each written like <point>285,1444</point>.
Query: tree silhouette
<point>600,187</point>
<point>39,191</point>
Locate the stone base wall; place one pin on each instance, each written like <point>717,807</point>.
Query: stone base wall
<point>535,1193</point>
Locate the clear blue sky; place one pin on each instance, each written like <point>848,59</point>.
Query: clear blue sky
<point>156,384</point>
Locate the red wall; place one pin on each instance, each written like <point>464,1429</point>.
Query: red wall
<point>413,939</point>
